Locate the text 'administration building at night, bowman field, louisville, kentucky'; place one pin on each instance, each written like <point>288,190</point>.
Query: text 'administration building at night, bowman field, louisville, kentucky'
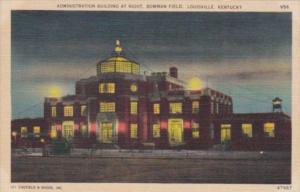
<point>120,106</point>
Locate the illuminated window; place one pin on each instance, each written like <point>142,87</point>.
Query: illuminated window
<point>107,106</point>
<point>83,110</point>
<point>247,129</point>
<point>24,131</point>
<point>124,67</point>
<point>101,87</point>
<point>107,67</point>
<point>107,88</point>
<point>133,87</point>
<point>269,129</point>
<point>195,106</point>
<point>111,88</point>
<point>119,67</point>
<point>225,132</point>
<point>156,130</point>
<point>127,67</point>
<point>68,129</point>
<point>133,131</point>
<point>133,107</point>
<point>53,111</point>
<point>195,130</point>
<point>119,64</point>
<point>135,68</point>
<point>68,111</point>
<point>175,108</point>
<point>36,131</point>
<point>53,133</point>
<point>156,108</point>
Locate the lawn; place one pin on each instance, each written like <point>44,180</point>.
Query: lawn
<point>139,170</point>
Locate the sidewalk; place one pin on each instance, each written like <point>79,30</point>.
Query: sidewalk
<point>167,154</point>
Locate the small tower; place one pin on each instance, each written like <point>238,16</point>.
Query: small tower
<point>277,108</point>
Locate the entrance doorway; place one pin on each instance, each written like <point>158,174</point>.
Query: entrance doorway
<point>175,131</point>
<point>225,133</point>
<point>106,135</point>
<point>68,129</point>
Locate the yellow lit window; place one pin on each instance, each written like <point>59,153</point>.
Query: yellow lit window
<point>102,88</point>
<point>225,132</point>
<point>195,130</point>
<point>247,129</point>
<point>133,87</point>
<point>195,106</point>
<point>107,106</point>
<point>83,110</point>
<point>111,88</point>
<point>68,111</point>
<point>135,68</point>
<point>156,130</point>
<point>107,67</point>
<point>119,67</point>
<point>24,131</point>
<point>156,108</point>
<point>175,108</point>
<point>53,111</point>
<point>269,129</point>
<point>36,131</point>
<point>107,88</point>
<point>53,133</point>
<point>133,130</point>
<point>127,67</point>
<point>133,107</point>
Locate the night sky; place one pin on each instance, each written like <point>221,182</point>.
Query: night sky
<point>245,55</point>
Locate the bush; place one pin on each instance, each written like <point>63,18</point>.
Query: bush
<point>61,146</point>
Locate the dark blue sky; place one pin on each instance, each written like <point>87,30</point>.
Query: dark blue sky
<point>246,55</point>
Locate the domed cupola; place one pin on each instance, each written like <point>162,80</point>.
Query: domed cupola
<point>118,63</point>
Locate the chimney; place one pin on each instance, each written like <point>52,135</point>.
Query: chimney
<point>174,72</point>
<point>277,108</point>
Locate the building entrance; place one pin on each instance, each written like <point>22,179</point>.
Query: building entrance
<point>175,131</point>
<point>68,129</point>
<point>225,133</point>
<point>106,135</point>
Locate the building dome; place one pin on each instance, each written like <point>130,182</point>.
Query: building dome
<point>118,63</point>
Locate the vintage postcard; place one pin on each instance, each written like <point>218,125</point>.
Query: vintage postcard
<point>150,96</point>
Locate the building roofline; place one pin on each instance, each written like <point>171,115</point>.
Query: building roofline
<point>261,115</point>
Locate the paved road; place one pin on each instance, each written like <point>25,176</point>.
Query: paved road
<point>76,169</point>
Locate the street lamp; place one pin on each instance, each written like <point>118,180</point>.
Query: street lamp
<point>14,134</point>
